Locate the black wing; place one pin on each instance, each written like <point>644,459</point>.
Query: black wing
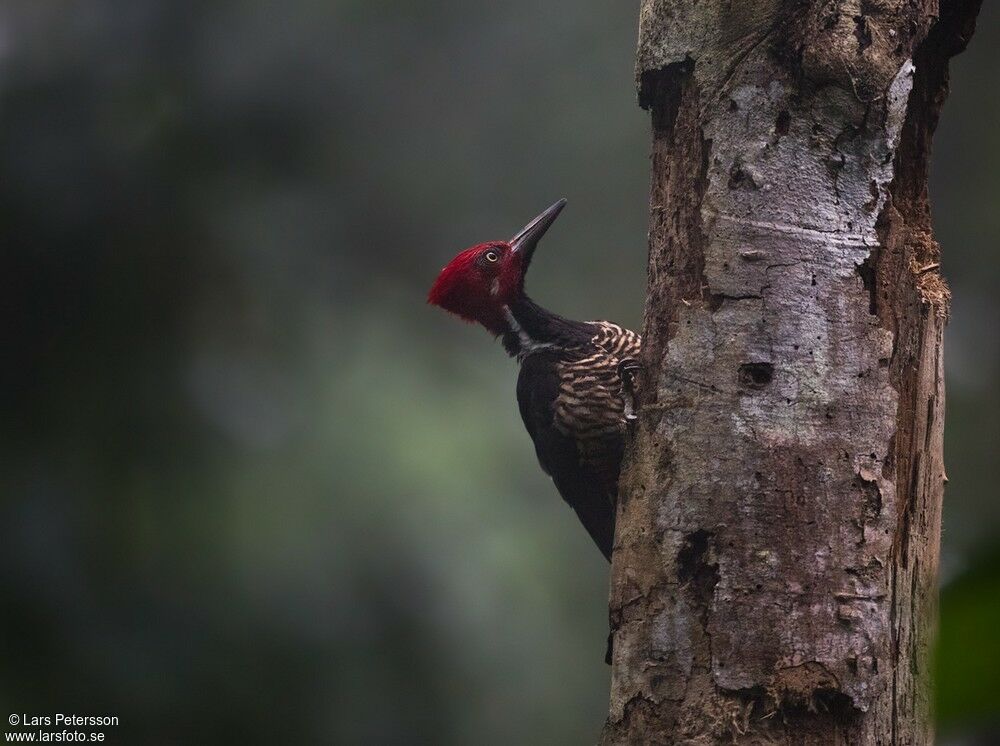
<point>585,473</point>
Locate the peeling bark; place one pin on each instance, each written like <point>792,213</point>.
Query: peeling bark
<point>774,576</point>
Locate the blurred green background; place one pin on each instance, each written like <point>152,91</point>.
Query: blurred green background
<point>253,489</point>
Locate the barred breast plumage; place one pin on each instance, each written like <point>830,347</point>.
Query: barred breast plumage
<point>576,400</point>
<point>592,396</point>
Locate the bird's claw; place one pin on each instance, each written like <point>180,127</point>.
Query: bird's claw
<point>628,371</point>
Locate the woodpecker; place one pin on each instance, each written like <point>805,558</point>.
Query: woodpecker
<point>577,379</point>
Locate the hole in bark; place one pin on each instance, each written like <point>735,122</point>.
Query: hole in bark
<point>866,271</point>
<point>782,123</point>
<point>660,91</point>
<point>740,178</point>
<point>808,691</point>
<point>692,554</point>
<point>696,570</point>
<point>756,375</point>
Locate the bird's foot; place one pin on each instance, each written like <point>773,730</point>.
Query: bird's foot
<point>628,371</point>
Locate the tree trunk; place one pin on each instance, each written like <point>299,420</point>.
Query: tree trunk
<point>775,572</point>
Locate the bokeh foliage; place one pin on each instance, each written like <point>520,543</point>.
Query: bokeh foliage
<point>253,490</point>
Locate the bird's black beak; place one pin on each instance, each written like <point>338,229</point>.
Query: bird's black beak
<point>527,238</point>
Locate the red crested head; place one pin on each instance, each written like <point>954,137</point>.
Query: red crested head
<point>481,281</point>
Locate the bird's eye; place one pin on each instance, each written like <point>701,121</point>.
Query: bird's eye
<point>491,256</point>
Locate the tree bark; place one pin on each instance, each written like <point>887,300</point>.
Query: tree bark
<point>775,571</point>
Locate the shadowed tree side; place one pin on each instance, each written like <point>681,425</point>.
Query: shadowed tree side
<point>775,570</point>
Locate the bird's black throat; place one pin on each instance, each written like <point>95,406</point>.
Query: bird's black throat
<point>531,327</point>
